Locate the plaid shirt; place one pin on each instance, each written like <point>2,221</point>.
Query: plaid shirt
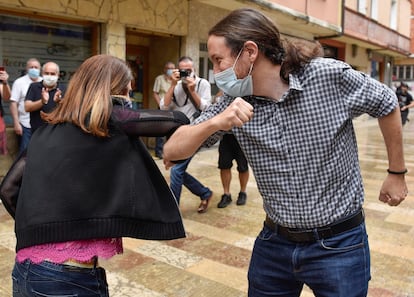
<point>302,149</point>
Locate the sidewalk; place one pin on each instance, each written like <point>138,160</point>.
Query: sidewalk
<point>213,260</point>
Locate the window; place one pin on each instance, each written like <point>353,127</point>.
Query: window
<point>22,38</point>
<point>400,72</point>
<point>362,6</point>
<point>374,9</point>
<point>403,72</point>
<point>393,15</point>
<point>408,71</point>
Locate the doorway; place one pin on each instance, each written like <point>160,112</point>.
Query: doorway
<point>137,58</point>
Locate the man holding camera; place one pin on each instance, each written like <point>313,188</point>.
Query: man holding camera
<point>189,94</point>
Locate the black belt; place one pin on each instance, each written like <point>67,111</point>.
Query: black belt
<point>312,235</point>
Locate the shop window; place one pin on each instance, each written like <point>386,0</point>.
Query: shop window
<point>22,38</point>
<point>400,72</point>
<point>408,72</point>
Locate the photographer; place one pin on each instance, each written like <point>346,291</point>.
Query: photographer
<point>189,94</point>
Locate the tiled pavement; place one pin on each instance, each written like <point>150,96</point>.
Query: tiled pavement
<point>213,259</point>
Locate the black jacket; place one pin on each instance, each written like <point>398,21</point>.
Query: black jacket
<point>76,186</point>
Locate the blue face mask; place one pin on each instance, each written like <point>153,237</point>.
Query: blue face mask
<point>169,72</point>
<point>33,73</point>
<point>228,82</point>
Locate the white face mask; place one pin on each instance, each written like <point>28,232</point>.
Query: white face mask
<point>50,80</point>
<point>228,82</point>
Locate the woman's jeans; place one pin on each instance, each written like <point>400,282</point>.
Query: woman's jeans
<point>335,267</point>
<point>49,279</point>
<point>179,177</point>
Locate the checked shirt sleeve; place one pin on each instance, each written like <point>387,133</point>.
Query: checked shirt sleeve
<point>364,94</point>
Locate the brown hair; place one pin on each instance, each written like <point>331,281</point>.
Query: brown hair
<point>246,24</point>
<point>87,101</point>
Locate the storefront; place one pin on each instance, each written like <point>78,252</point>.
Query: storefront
<point>22,38</point>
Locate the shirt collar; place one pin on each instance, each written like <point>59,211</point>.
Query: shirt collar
<point>294,83</point>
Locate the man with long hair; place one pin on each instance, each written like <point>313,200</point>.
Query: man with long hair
<point>291,110</point>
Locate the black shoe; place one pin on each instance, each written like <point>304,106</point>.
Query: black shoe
<point>159,156</point>
<point>241,200</point>
<point>225,200</point>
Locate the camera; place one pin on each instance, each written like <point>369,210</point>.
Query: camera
<point>184,73</point>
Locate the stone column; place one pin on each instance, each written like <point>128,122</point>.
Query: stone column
<point>113,41</point>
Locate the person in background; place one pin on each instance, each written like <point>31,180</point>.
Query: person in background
<point>63,224</point>
<point>405,101</point>
<point>4,95</point>
<point>45,95</point>
<point>21,118</point>
<point>189,94</point>
<point>291,111</point>
<point>161,85</point>
<point>229,150</point>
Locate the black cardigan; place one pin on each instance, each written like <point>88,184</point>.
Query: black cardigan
<point>77,186</point>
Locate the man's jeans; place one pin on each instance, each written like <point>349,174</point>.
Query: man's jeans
<point>335,267</point>
<point>24,139</point>
<point>179,177</point>
<point>49,279</point>
<point>159,143</point>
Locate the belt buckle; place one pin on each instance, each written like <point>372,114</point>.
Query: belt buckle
<point>301,236</point>
<point>325,232</point>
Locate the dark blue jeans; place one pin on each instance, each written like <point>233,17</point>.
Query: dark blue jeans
<point>49,279</point>
<point>180,177</point>
<point>335,267</point>
<point>24,139</point>
<point>159,144</point>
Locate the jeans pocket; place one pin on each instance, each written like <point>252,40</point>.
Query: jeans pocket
<point>15,287</point>
<point>266,233</point>
<point>347,241</point>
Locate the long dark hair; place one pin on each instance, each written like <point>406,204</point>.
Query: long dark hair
<point>246,24</point>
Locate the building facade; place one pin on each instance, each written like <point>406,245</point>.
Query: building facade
<point>368,36</point>
<point>145,33</point>
<point>376,35</point>
<point>403,69</point>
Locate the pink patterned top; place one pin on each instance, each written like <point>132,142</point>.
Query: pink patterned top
<point>80,250</point>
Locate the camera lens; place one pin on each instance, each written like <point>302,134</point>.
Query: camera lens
<point>183,73</point>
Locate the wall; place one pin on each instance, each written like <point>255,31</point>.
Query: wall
<point>384,12</point>
<point>360,60</point>
<point>165,16</point>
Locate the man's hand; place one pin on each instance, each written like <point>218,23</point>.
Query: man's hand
<point>168,164</point>
<point>393,190</point>
<point>18,128</point>
<point>4,76</point>
<point>45,95</point>
<point>235,115</point>
<point>58,96</point>
<point>190,82</point>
